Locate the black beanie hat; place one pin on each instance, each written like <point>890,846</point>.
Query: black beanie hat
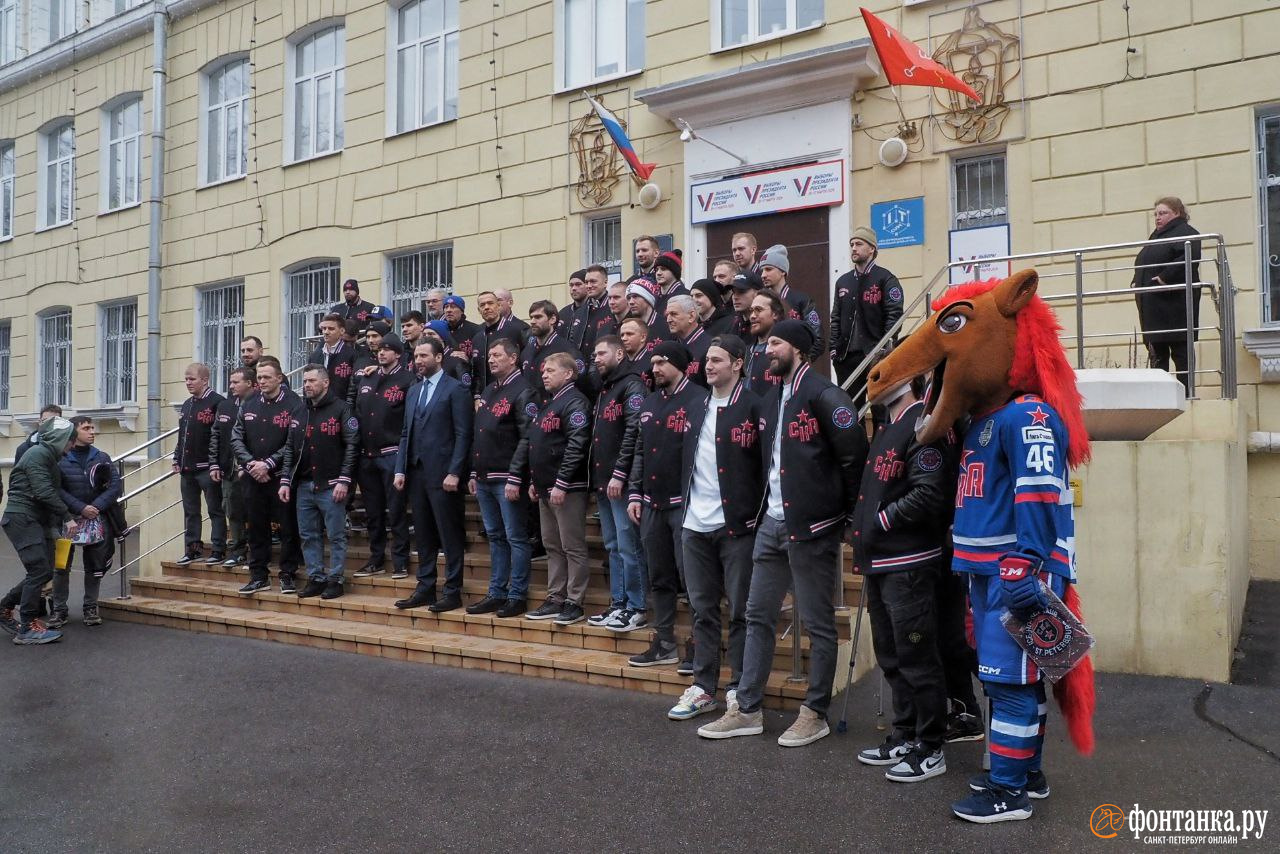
<point>392,342</point>
<point>711,289</point>
<point>794,332</point>
<point>731,344</point>
<point>671,261</point>
<point>351,284</point>
<point>674,352</point>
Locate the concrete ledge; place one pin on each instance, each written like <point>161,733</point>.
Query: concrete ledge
<point>1129,404</point>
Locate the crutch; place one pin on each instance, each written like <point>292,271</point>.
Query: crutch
<point>843,726</point>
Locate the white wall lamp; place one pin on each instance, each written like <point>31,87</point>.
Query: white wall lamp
<point>688,134</point>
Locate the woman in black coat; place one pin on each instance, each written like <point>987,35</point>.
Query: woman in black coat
<point>1163,314</point>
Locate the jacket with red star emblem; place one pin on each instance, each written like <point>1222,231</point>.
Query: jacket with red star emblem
<point>738,458</point>
<point>195,426</point>
<point>264,428</point>
<point>664,424</point>
<point>341,365</point>
<point>905,504</point>
<point>506,409</point>
<point>801,307</point>
<point>323,448</point>
<point>553,450</point>
<point>824,449</point>
<point>698,343</point>
<point>617,425</point>
<point>379,407</point>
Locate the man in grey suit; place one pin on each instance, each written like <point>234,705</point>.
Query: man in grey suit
<point>435,451</point>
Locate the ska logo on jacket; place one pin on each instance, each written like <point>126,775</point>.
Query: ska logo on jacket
<point>342,369</point>
<point>804,428</point>
<point>549,423</point>
<point>611,411</point>
<point>282,420</point>
<point>971,476</point>
<point>577,419</point>
<point>843,417</point>
<point>329,427</point>
<point>394,395</point>
<point>744,435</point>
<point>677,422</point>
<point>888,466</point>
<point>205,416</point>
<point>501,408</point>
<point>872,294</point>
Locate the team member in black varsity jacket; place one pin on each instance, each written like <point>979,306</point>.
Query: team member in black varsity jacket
<point>682,320</point>
<point>223,469</point>
<point>453,312</point>
<point>775,267</point>
<point>496,323</point>
<point>336,356</point>
<point>766,311</point>
<point>506,409</point>
<point>553,454</point>
<point>657,489</point>
<point>900,544</point>
<point>814,450</point>
<point>352,307</point>
<point>868,302</point>
<point>319,464</point>
<point>613,446</point>
<point>642,297</point>
<point>543,341</point>
<point>574,315</point>
<point>380,398</point>
<point>454,364</point>
<point>191,463</point>
<point>724,481</point>
<point>267,421</point>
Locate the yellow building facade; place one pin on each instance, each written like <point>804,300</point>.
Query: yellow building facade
<point>447,143</point>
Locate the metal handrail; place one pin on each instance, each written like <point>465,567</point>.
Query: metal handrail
<point>141,489</point>
<point>140,469</point>
<point>147,444</point>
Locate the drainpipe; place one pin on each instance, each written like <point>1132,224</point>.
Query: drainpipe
<point>155,205</point>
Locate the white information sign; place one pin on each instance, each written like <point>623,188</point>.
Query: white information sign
<point>972,245</point>
<point>792,188</point>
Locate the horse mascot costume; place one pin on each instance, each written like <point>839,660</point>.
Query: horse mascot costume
<point>994,354</point>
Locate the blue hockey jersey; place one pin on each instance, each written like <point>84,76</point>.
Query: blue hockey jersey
<point>1013,493</point>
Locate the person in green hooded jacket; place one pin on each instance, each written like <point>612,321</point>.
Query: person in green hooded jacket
<point>32,519</point>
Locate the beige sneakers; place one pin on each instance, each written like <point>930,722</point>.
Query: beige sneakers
<point>809,726</point>
<point>735,722</point>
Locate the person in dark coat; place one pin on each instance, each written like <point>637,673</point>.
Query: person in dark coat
<point>714,314</point>
<point>352,307</point>
<point>867,304</point>
<point>1163,314</point>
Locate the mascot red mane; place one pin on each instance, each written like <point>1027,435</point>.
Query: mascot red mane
<point>993,350</point>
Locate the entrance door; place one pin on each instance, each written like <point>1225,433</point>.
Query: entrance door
<point>804,233</point>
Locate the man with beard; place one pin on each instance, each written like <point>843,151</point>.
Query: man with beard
<point>682,320</point>
<point>352,307</point>
<point>433,304</point>
<point>573,317</point>
<point>766,311</point>
<point>250,351</point>
<point>811,433</point>
<point>646,254</point>
<point>743,247</point>
<point>642,296</point>
<point>544,341</point>
<point>868,303</point>
<point>667,270</point>
<point>743,288</point>
<point>463,331</point>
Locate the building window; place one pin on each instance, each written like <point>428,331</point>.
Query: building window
<point>604,244</point>
<point>118,353</point>
<point>6,332</point>
<point>226,122</point>
<point>122,155</point>
<point>8,31</point>
<point>743,21</point>
<point>311,291</point>
<point>221,326</point>
<point>415,273</point>
<point>55,358</point>
<point>6,190</point>
<point>57,148</point>
<point>981,196</point>
<point>425,77</point>
<point>62,18</point>
<point>316,96</point>
<point>597,40</point>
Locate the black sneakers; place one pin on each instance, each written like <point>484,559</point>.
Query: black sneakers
<point>215,557</point>
<point>548,610</point>
<point>659,652</point>
<point>1037,784</point>
<point>570,613</point>
<point>962,726</point>
<point>512,608</point>
<point>487,605</point>
<point>255,587</point>
<point>920,764</point>
<point>332,590</point>
<point>994,804</point>
<point>889,753</point>
<point>314,588</point>
<point>91,616</point>
<point>369,569</point>
<point>686,663</point>
<point>287,586</point>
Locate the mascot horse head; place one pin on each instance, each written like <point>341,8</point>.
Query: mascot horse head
<point>986,343</point>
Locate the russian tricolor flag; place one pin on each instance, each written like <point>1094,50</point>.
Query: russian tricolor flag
<point>619,137</point>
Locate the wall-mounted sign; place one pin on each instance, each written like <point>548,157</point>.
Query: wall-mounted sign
<point>814,185</point>
<point>898,223</point>
<point>972,246</point>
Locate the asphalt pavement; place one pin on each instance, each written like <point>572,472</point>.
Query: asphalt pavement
<point>130,738</point>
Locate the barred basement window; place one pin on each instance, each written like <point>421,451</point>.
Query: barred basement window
<point>981,195</point>
<point>415,273</point>
<point>55,358</point>
<point>118,353</point>
<point>604,244</point>
<point>6,331</point>
<point>221,320</point>
<point>311,291</point>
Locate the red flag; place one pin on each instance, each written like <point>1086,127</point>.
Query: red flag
<point>905,64</point>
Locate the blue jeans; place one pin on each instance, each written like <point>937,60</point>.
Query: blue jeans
<point>318,515</point>
<point>509,546</point>
<point>627,575</point>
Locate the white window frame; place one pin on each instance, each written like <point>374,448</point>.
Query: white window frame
<point>213,346</point>
<point>48,347</point>
<point>62,166</point>
<point>222,108</point>
<point>632,65</point>
<point>754,36</point>
<point>302,318</point>
<point>10,16</point>
<point>6,363</point>
<point>978,217</point>
<point>65,14</point>
<point>311,81</point>
<point>409,275</point>
<point>118,345</point>
<point>126,149</point>
<point>613,265</point>
<point>445,41</point>
<point>8,184</point>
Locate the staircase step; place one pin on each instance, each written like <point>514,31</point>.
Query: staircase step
<point>453,649</point>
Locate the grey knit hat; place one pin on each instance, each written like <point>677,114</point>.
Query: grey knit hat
<point>776,256</point>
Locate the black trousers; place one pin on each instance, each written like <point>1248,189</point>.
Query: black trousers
<point>904,632</point>
<point>1161,352</point>
<point>33,541</point>
<point>959,660</point>
<point>844,368</point>
<point>717,566</point>
<point>437,524</point>
<point>192,485</point>
<point>262,506</point>
<point>383,507</point>
<point>661,537</point>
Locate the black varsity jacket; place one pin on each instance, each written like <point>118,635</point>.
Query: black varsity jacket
<point>801,307</point>
<point>264,428</point>
<point>864,308</point>
<point>379,408</point>
<point>323,448</point>
<point>506,409</point>
<point>220,457</point>
<point>664,422</point>
<point>341,365</point>
<point>617,425</point>
<point>195,425</point>
<point>738,459</point>
<point>553,450</point>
